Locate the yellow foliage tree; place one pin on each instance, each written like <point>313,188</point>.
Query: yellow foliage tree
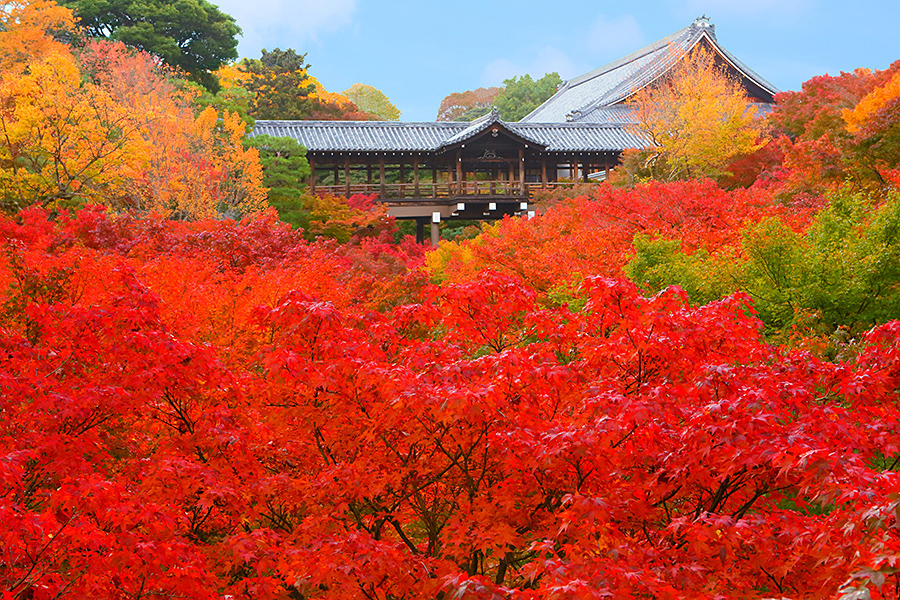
<point>110,127</point>
<point>696,121</point>
<point>63,139</point>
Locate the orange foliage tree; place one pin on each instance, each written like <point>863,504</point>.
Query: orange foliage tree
<point>838,130</point>
<point>456,105</point>
<point>27,29</point>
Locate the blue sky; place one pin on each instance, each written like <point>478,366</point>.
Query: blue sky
<point>417,52</point>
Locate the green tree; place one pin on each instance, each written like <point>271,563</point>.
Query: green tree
<point>521,95</point>
<point>373,101</point>
<point>192,35</point>
<point>841,276</point>
<point>280,85</point>
<point>284,169</point>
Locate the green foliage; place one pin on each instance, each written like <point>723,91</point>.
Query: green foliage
<point>233,99</point>
<point>521,95</point>
<point>838,279</point>
<point>292,207</point>
<point>283,161</point>
<point>373,101</point>
<point>279,84</point>
<point>659,263</point>
<point>284,169</point>
<point>473,113</point>
<point>192,35</point>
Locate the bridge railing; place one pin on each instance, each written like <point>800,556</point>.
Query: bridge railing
<point>457,189</point>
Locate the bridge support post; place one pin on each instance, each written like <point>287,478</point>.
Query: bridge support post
<point>435,232</point>
<point>420,231</point>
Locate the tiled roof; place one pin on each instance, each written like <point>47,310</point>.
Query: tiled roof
<point>364,136</point>
<point>391,136</point>
<point>578,98</point>
<point>580,137</point>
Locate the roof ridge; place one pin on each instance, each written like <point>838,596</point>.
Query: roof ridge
<point>619,63</point>
<point>697,33</point>
<point>629,58</point>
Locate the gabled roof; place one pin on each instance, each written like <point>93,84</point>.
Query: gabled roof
<point>612,84</point>
<point>483,123</point>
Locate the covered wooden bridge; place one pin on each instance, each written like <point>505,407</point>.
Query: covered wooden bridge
<point>490,168</point>
<point>440,171</point>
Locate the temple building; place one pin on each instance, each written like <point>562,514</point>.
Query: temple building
<point>488,168</point>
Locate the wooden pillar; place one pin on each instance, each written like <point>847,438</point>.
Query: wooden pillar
<point>510,176</point>
<point>400,178</point>
<point>521,172</point>
<point>369,174</point>
<point>381,174</point>
<point>311,184</point>
<point>449,179</point>
<point>459,174</point>
<point>435,234</point>
<point>543,172</point>
<point>336,181</point>
<point>416,177</point>
<point>573,169</point>
<point>347,176</point>
<point>585,170</point>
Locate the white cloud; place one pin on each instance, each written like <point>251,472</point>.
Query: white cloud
<point>286,23</point>
<point>547,60</point>
<point>615,36</point>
